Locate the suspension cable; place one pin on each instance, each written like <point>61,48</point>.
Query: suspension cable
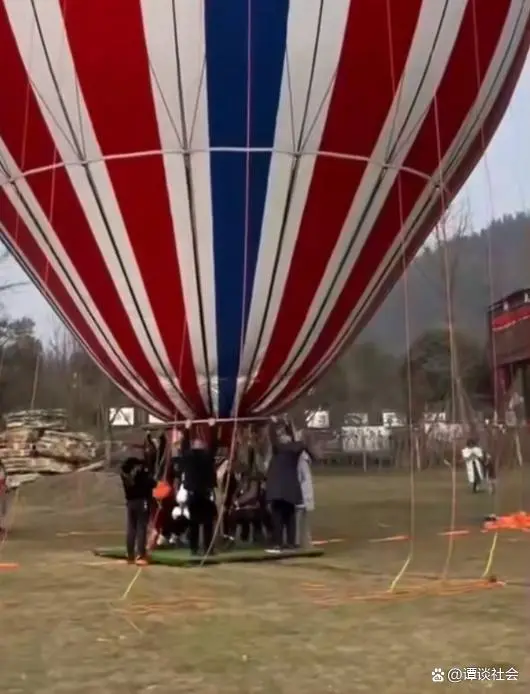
<point>412,476</point>
<point>496,394</point>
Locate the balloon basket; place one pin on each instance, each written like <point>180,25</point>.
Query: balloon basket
<point>181,558</point>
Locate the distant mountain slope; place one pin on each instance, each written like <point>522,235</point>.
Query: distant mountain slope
<point>474,285</point>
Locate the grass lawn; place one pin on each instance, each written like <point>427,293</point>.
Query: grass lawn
<point>304,626</point>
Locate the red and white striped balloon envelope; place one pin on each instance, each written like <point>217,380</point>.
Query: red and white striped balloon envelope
<point>216,196</point>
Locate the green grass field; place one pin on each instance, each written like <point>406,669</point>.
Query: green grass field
<point>309,626</point>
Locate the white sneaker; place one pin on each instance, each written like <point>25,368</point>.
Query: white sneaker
<point>274,550</point>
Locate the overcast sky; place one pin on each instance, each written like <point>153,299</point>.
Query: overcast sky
<point>500,185</point>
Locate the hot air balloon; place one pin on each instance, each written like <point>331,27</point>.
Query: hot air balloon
<point>216,196</point>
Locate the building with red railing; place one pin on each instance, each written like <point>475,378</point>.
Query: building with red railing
<point>509,325</point>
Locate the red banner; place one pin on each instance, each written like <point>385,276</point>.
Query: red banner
<point>509,318</point>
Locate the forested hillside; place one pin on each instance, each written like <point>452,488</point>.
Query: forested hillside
<point>474,285</point>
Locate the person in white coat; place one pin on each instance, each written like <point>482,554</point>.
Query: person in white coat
<point>303,511</point>
<point>473,457</point>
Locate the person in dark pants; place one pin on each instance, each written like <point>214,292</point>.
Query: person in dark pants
<point>200,480</point>
<point>283,491</point>
<point>490,472</point>
<point>138,485</point>
<point>249,510</point>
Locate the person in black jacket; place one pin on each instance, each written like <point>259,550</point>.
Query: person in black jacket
<point>138,485</point>
<point>200,480</point>
<point>283,491</point>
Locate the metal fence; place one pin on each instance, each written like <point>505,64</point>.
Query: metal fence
<point>428,446</point>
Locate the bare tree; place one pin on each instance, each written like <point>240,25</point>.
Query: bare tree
<point>86,390</point>
<point>9,285</point>
<point>448,236</point>
<point>455,223</point>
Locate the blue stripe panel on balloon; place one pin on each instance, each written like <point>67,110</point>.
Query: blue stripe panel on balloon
<point>237,76</point>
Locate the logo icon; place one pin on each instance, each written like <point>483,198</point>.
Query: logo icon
<point>438,675</point>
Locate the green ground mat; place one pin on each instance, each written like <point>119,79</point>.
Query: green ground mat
<point>181,557</point>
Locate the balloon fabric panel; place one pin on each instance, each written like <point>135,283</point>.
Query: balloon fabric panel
<point>216,197</point>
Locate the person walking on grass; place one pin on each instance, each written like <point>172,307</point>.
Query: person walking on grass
<point>138,485</point>
<point>473,457</point>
